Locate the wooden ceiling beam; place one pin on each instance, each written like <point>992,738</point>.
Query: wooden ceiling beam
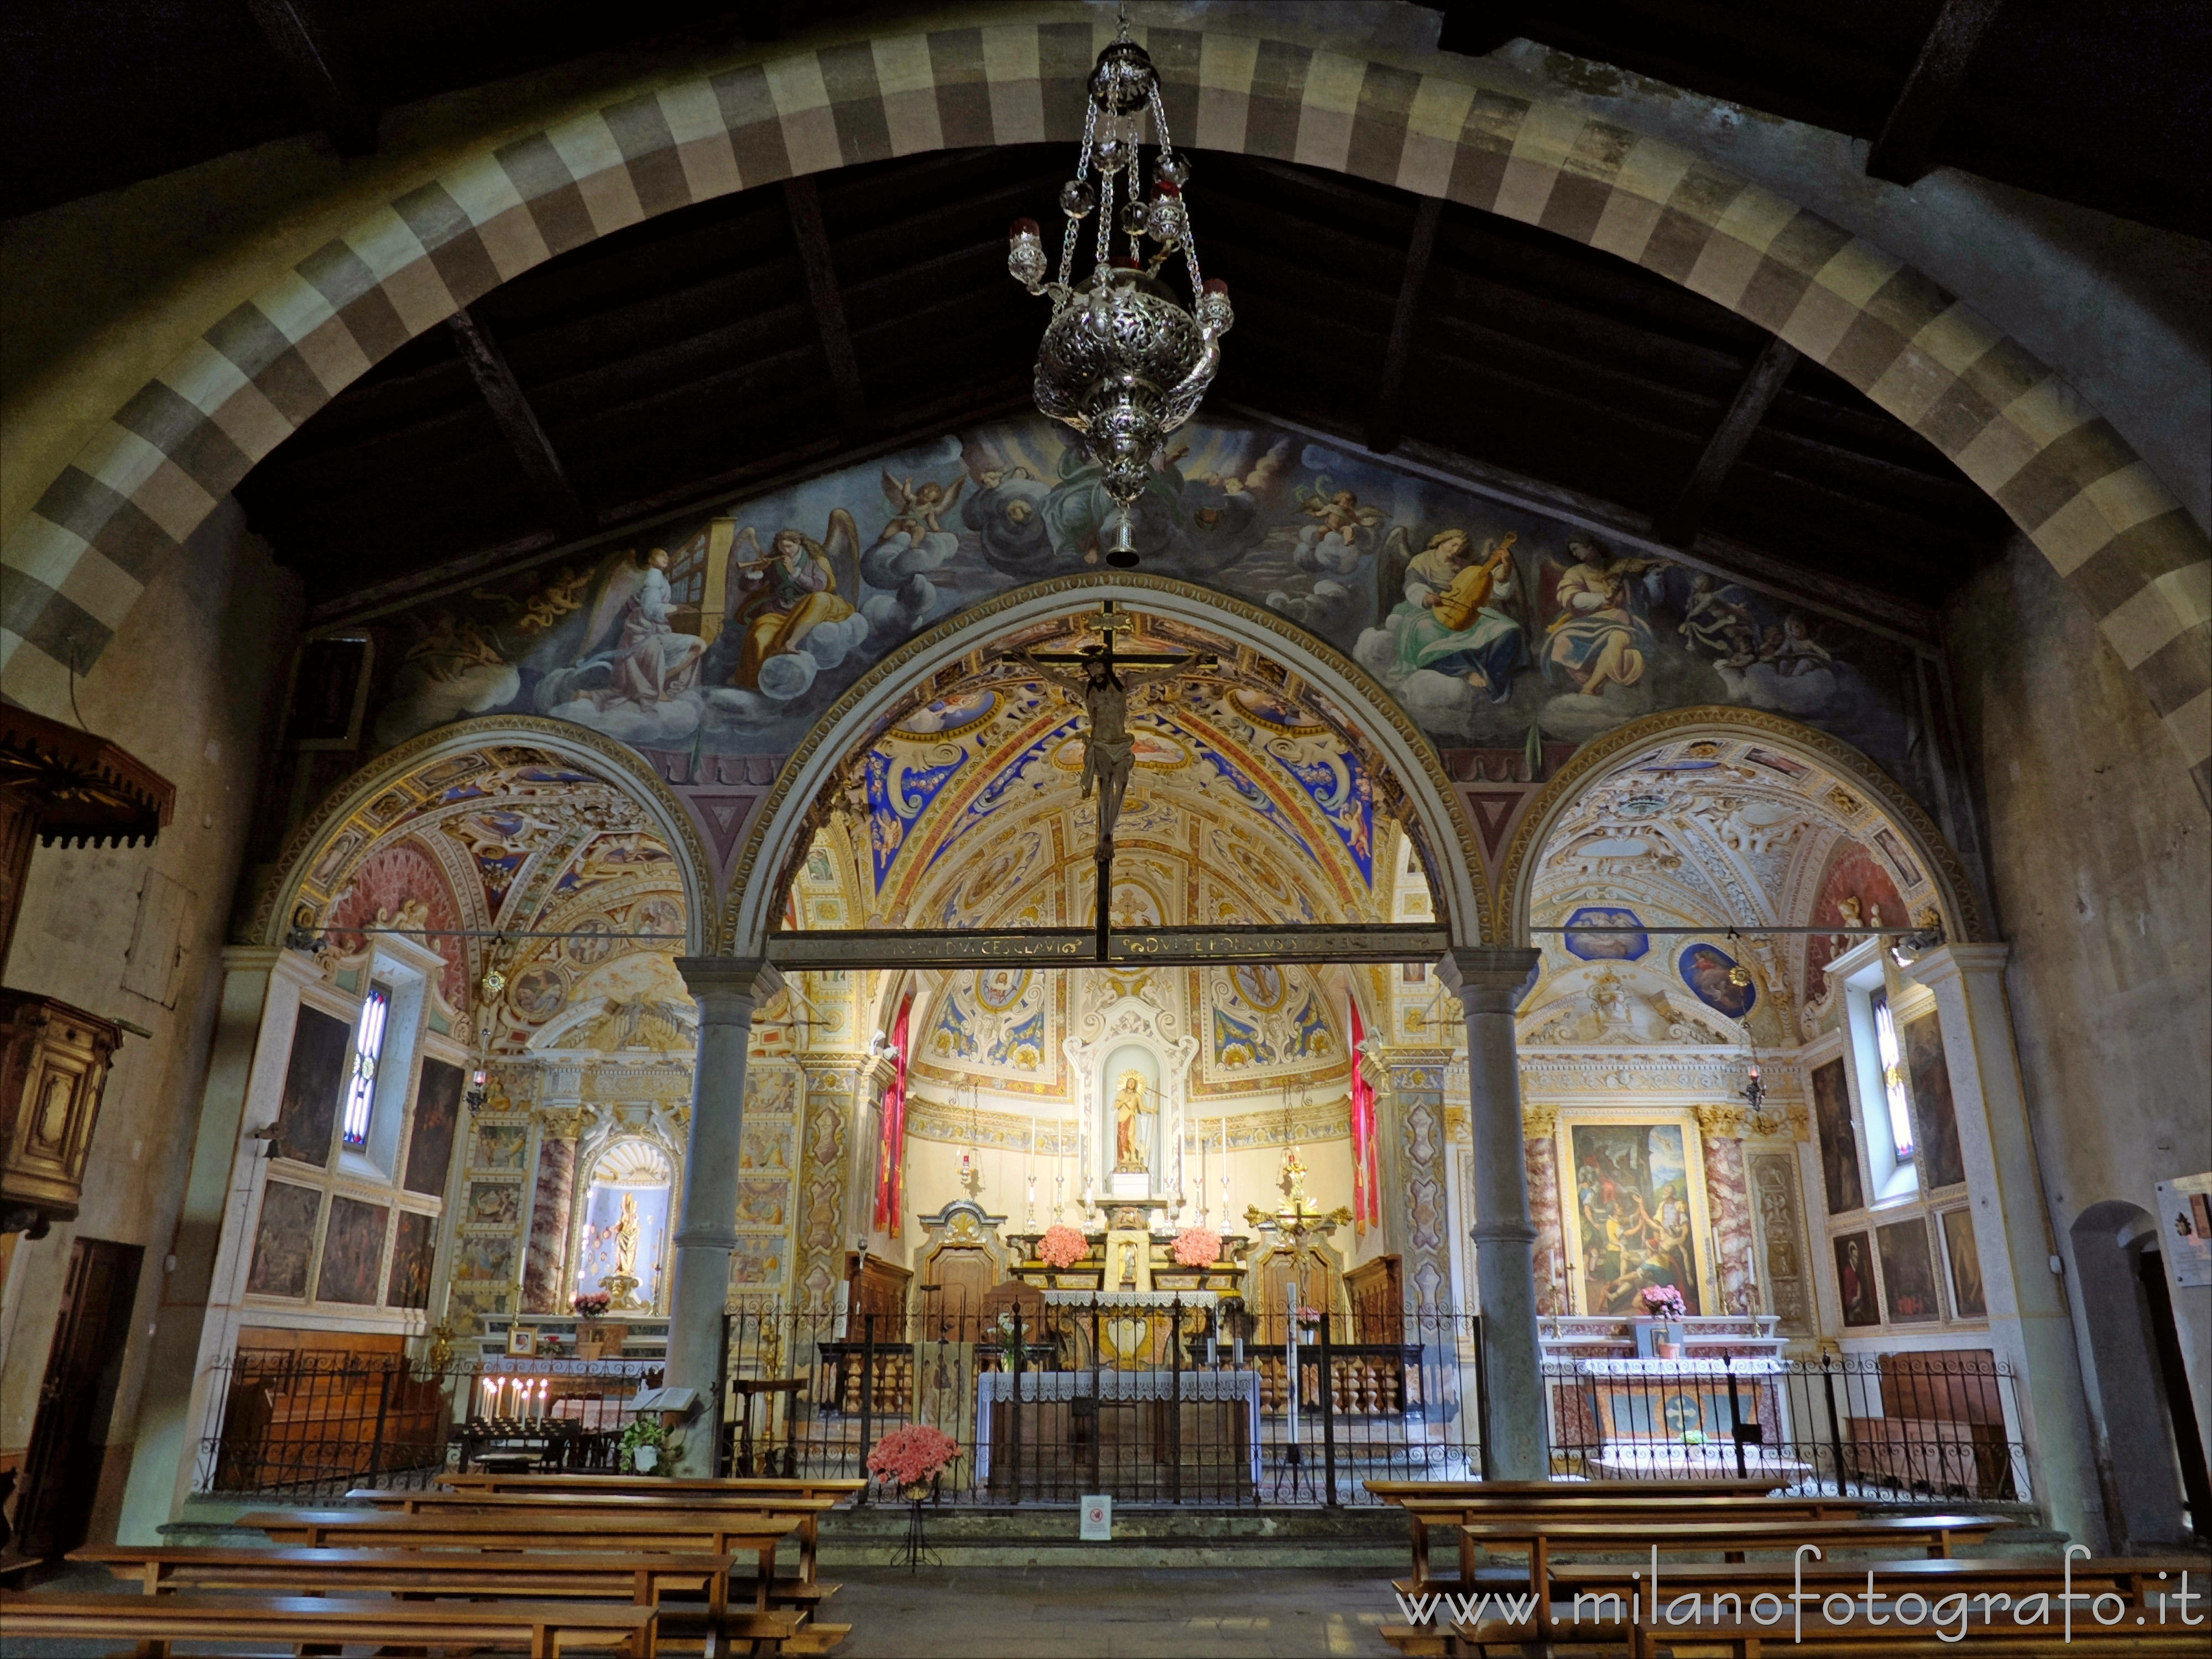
<point>1679,524</point>
<point>348,121</point>
<point>1384,430</point>
<point>805,204</point>
<point>1900,154</point>
<point>518,421</point>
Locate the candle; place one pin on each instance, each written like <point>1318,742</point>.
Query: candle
<point>485,1383</point>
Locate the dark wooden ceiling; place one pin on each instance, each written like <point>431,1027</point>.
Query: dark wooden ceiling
<point>2104,102</point>
<point>706,347</point>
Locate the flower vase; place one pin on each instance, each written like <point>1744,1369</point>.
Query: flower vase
<point>1664,1349</point>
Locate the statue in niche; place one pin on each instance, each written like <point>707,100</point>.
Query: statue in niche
<point>626,1232</point>
<point>1130,1110</point>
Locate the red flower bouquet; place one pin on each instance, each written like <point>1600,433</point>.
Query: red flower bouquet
<point>1197,1246</point>
<point>1062,1245</point>
<point>912,1456</point>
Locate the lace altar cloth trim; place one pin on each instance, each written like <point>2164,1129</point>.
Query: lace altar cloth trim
<point>1117,1301</point>
<point>1123,1385</point>
<point>1662,1370</point>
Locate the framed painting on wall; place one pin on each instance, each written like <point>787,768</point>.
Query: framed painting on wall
<point>1632,1187</point>
<point>1839,1145</point>
<point>1908,1272</point>
<point>1968,1298</point>
<point>1854,1283</point>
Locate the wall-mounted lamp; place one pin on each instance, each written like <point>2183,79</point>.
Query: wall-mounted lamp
<point>1911,947</point>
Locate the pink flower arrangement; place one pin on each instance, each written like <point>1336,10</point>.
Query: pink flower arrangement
<point>1197,1246</point>
<point>592,1306</point>
<point>1663,1301</point>
<point>914,1456</point>
<point>1062,1245</point>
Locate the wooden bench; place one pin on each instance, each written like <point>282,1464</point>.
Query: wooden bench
<point>642,1580</point>
<point>1857,1641</point>
<point>652,1486</point>
<point>807,1510</point>
<point>1542,1537</point>
<point>657,1530</point>
<point>1425,1513</point>
<point>547,1629</point>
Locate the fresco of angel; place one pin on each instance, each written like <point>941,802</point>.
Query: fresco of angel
<point>924,503</point>
<point>1458,615</point>
<point>794,594</point>
<point>1599,636</point>
<point>1339,532</point>
<point>647,662</point>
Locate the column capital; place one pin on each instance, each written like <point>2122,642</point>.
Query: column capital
<point>1958,960</point>
<point>1539,1120</point>
<point>1490,979</point>
<point>722,980</point>
<point>563,1122</point>
<point>1721,1123</point>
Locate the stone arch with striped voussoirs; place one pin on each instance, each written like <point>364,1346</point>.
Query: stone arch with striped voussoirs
<point>1721,723</point>
<point>1466,131</point>
<point>777,839</point>
<point>614,763</point>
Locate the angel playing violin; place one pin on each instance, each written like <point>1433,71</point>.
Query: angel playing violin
<point>796,584</point>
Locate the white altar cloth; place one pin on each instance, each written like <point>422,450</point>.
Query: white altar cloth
<point>1668,1368</point>
<point>1050,1387</point>
<point>1119,1301</point>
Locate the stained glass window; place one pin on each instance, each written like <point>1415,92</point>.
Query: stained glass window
<point>367,1049</point>
<point>1892,1077</point>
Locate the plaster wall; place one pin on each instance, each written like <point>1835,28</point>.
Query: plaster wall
<point>186,690</point>
<point>2101,868</point>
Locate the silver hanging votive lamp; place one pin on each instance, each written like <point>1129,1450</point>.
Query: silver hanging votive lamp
<point>1121,362</point>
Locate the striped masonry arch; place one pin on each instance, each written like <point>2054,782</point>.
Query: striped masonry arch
<point>2122,542</point>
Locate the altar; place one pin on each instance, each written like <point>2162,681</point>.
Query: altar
<point>1149,1435</point>
<point>1687,1418</point>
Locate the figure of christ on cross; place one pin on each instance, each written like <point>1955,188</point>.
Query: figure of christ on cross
<point>1109,752</point>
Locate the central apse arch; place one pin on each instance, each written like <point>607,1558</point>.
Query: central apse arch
<point>1406,771</point>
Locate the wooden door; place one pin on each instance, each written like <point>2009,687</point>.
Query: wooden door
<point>68,1436</point>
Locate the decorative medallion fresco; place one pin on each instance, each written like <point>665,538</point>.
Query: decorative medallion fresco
<point>1493,625</point>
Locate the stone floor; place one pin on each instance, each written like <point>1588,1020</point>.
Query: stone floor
<point>1252,1613</point>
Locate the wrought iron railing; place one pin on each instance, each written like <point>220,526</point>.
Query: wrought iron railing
<point>302,1425</point>
<point>1165,1406</point>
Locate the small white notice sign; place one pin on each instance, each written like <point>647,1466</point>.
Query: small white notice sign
<point>2185,1208</point>
<point>1098,1519</point>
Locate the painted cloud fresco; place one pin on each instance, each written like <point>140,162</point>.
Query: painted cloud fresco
<point>1493,626</point>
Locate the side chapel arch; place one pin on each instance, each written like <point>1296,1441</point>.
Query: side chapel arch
<point>1469,131</point>
<point>1595,759</point>
<point>617,765</point>
<point>778,837</point>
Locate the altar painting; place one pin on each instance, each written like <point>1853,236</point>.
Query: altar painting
<point>730,630</point>
<point>1635,1227</point>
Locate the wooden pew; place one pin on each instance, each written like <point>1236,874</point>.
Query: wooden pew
<point>1424,1515</point>
<point>657,1530</point>
<point>2135,1579</point>
<point>642,1580</point>
<point>1542,1537</point>
<point>547,1629</point>
<point>807,1510</point>
<point>1392,1491</point>
<point>801,1486</point>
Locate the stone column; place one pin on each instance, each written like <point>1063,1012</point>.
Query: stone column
<point>2029,1324</point>
<point>1489,981</point>
<point>545,1283</point>
<point>1727,1198</point>
<point>1539,1132</point>
<point>726,990</point>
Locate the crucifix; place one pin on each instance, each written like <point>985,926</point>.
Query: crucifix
<point>1109,752</point>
